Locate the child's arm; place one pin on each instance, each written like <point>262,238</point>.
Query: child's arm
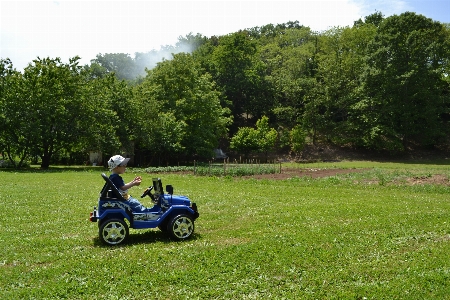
<point>134,182</point>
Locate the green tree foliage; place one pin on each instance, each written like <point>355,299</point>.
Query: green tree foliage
<point>111,111</point>
<point>266,136</point>
<point>180,90</point>
<point>245,141</point>
<point>291,65</point>
<point>190,43</point>
<point>298,139</point>
<point>13,143</point>
<point>45,113</point>
<point>405,82</point>
<point>380,84</point>
<point>266,34</point>
<point>159,131</point>
<point>340,65</point>
<point>165,137</point>
<point>261,139</point>
<point>121,64</point>
<point>374,19</point>
<point>237,69</point>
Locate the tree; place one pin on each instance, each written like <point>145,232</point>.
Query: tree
<point>404,83</point>
<point>46,113</point>
<point>239,71</point>
<point>110,114</point>
<point>374,19</point>
<point>266,136</point>
<point>245,140</point>
<point>165,137</point>
<point>340,65</point>
<point>121,64</point>
<point>298,139</point>
<point>261,139</point>
<point>189,43</point>
<point>179,90</point>
<point>160,133</point>
<point>13,123</point>
<point>291,66</point>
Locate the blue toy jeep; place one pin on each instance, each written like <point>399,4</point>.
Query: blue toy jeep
<point>171,213</point>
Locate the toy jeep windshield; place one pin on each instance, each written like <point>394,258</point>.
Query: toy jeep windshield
<point>174,214</point>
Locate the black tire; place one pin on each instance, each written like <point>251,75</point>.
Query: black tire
<point>113,232</point>
<point>181,227</point>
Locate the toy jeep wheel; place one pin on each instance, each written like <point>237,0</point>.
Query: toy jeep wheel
<point>113,232</point>
<point>181,227</point>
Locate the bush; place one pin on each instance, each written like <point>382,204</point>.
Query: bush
<point>9,164</point>
<point>233,170</point>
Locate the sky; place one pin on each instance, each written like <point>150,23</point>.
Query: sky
<point>64,29</point>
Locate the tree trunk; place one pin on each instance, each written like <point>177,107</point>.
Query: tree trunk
<point>45,162</point>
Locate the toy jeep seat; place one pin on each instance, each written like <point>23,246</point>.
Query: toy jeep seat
<point>109,191</point>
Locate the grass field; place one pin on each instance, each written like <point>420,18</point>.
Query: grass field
<point>366,235</point>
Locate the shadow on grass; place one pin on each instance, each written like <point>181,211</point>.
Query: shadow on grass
<point>147,237</point>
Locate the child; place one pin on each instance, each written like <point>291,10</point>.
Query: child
<point>117,165</point>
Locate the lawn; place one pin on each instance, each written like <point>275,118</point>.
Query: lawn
<point>366,235</point>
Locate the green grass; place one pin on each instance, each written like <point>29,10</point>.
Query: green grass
<point>339,237</point>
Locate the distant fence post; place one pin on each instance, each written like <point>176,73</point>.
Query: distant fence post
<point>224,167</point>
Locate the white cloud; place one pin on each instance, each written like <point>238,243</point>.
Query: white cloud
<point>85,28</point>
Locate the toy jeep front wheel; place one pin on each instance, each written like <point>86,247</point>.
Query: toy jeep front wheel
<point>113,232</point>
<point>181,227</point>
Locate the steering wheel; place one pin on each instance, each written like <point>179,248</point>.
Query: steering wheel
<point>147,192</point>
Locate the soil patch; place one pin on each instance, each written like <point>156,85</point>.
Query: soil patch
<point>307,172</point>
<point>436,179</point>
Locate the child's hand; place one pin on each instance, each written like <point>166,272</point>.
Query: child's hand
<point>137,180</point>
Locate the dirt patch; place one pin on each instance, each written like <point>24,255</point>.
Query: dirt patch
<point>436,179</point>
<point>307,172</point>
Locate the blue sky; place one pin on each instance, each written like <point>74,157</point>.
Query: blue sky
<point>438,10</point>
<point>86,28</point>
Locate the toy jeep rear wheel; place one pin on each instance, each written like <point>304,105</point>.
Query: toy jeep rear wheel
<point>113,232</point>
<point>181,227</point>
